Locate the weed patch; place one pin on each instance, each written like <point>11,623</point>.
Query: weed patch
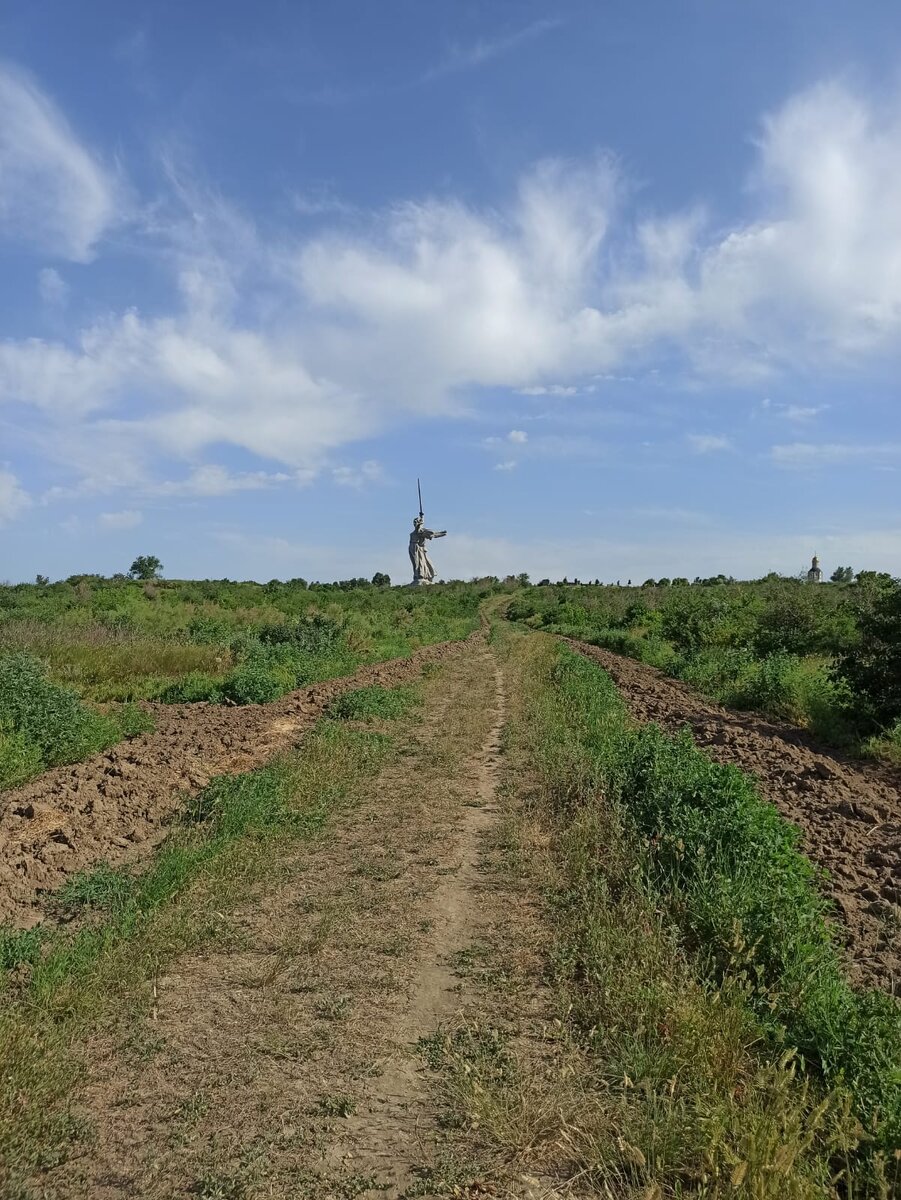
<point>43,724</point>
<point>370,703</point>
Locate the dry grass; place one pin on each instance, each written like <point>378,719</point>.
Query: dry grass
<point>108,664</point>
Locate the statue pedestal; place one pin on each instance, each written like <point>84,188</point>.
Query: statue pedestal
<point>421,583</point>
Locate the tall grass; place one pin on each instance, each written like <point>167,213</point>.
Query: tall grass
<point>711,1044</point>
<point>745,900</point>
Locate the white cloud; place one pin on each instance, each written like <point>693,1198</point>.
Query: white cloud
<point>827,454</point>
<point>517,435</point>
<point>321,201</point>
<point>554,389</point>
<point>53,289</point>
<point>213,480</point>
<point>507,465</point>
<point>13,498</point>
<point>465,58</point>
<point>368,472</point>
<point>292,349</point>
<point>800,412</point>
<point>708,443</point>
<point>127,519</point>
<point>53,191</point>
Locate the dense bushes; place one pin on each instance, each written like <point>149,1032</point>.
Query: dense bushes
<point>769,646</point>
<point>43,724</point>
<point>873,669</point>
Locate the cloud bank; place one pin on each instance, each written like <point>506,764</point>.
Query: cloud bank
<point>289,348</point>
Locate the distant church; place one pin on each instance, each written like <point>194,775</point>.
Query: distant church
<point>814,575</point>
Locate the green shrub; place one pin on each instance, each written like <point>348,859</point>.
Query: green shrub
<point>873,669</point>
<point>251,684</point>
<point>365,704</point>
<point>51,717</point>
<point>209,631</point>
<point>314,635</point>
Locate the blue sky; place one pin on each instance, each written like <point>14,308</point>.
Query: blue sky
<point>620,281</point>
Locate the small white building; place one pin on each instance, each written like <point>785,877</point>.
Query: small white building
<point>814,575</point>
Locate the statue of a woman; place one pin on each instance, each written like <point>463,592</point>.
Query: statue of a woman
<point>423,571</point>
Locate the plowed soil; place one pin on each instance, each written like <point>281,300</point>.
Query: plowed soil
<point>849,812</point>
<point>115,807</point>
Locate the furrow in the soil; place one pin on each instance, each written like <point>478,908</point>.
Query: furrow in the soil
<point>849,813</point>
<point>114,808</point>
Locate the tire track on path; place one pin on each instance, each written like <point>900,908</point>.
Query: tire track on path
<point>394,1138</point>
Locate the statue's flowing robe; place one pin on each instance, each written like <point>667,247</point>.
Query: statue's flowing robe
<point>422,567</point>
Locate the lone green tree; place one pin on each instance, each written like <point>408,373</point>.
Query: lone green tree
<point>380,579</point>
<point>145,566</point>
<point>842,575</point>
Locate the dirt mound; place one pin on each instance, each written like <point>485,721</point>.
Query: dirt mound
<point>849,812</point>
<point>114,808</point>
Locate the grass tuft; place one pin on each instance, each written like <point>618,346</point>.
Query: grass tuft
<point>371,703</point>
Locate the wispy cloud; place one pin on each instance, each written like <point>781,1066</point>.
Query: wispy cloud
<point>518,436</point>
<point>465,58</point>
<point>553,389</point>
<point>800,412</point>
<point>127,519</point>
<point>828,454</point>
<point>321,201</point>
<point>52,288</point>
<point>509,464</point>
<point>793,412</point>
<point>213,480</point>
<point>53,190</point>
<point>357,477</point>
<point>13,497</point>
<point>708,443</point>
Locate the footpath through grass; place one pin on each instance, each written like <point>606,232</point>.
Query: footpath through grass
<point>61,986</point>
<point>715,1046</point>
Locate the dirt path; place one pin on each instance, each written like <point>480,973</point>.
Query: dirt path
<point>849,812</point>
<point>114,808</point>
<point>284,1064</point>
<point>394,1136</point>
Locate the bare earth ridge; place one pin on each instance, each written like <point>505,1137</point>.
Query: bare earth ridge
<point>114,808</point>
<point>848,811</point>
